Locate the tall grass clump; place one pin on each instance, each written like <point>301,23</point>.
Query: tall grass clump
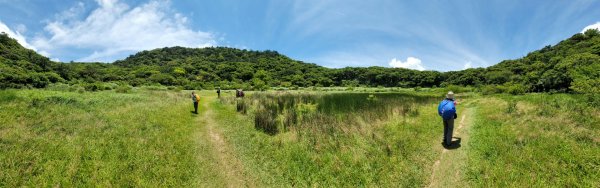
<point>511,107</point>
<point>241,105</point>
<point>279,112</point>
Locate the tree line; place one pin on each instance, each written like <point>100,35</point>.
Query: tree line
<point>573,65</point>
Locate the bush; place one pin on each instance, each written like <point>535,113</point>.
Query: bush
<point>491,89</point>
<point>512,107</point>
<point>123,89</point>
<point>515,89</point>
<point>93,87</point>
<point>59,87</point>
<point>458,89</point>
<point>154,88</point>
<point>175,88</point>
<point>110,86</point>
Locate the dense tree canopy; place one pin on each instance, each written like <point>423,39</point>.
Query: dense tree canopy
<point>571,65</point>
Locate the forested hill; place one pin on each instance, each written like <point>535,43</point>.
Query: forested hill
<point>20,66</point>
<point>162,56</point>
<point>571,65</point>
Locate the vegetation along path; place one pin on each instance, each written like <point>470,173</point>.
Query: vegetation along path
<point>232,169</point>
<point>449,169</point>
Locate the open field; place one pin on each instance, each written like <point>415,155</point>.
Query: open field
<point>321,137</point>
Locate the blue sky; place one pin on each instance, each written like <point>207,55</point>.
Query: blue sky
<point>438,35</point>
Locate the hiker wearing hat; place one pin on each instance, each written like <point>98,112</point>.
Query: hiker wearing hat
<point>447,111</point>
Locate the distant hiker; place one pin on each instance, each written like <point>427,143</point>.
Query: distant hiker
<point>196,99</point>
<point>219,92</point>
<point>239,93</point>
<point>447,111</point>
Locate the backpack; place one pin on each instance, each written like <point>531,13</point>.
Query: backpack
<point>447,109</point>
<point>197,97</point>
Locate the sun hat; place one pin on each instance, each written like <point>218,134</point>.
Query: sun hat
<point>450,95</point>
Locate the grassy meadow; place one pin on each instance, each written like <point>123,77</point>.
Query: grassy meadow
<point>328,137</point>
<point>143,138</point>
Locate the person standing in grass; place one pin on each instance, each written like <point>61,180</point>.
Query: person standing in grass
<point>196,99</point>
<point>239,93</point>
<point>219,92</point>
<point>447,111</point>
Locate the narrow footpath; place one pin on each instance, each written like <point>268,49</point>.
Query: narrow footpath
<point>232,168</point>
<point>449,170</point>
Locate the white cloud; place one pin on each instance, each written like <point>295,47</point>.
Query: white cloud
<point>410,63</point>
<point>114,28</point>
<point>593,26</point>
<point>468,65</point>
<point>16,35</point>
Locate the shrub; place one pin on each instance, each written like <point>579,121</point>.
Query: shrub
<point>93,87</point>
<point>154,88</point>
<point>59,87</point>
<point>515,89</point>
<point>110,86</point>
<point>512,107</point>
<point>123,89</point>
<point>175,88</point>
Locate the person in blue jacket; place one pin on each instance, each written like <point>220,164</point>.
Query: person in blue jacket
<point>447,111</point>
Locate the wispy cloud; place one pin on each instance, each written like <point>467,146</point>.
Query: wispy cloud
<point>399,26</point>
<point>410,63</point>
<point>114,28</point>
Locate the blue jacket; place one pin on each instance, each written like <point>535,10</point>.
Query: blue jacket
<point>446,109</point>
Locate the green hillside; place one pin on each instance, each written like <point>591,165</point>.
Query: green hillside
<point>22,67</point>
<point>570,66</point>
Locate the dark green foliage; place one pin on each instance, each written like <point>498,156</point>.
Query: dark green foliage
<point>573,65</point>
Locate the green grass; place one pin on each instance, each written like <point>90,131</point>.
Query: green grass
<point>145,138</point>
<point>327,138</point>
<point>541,141</point>
<point>325,151</point>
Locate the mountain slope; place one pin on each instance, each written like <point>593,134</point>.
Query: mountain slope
<point>22,67</point>
<point>571,65</point>
<point>552,68</point>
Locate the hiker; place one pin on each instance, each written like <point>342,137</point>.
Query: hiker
<point>447,111</point>
<point>219,92</point>
<point>239,93</point>
<point>196,99</point>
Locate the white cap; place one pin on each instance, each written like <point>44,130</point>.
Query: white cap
<point>450,95</point>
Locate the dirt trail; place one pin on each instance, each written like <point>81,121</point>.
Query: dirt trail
<point>448,170</point>
<point>231,167</point>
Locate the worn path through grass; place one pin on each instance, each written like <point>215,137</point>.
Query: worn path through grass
<point>449,170</point>
<point>231,168</point>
